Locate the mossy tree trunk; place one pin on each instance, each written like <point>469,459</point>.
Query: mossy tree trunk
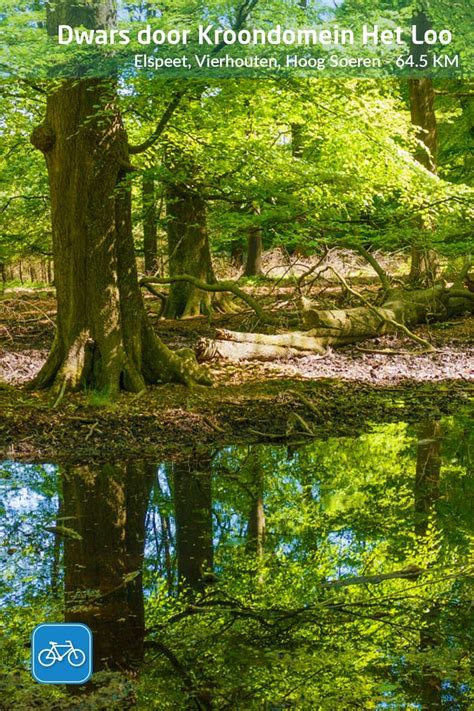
<point>189,253</point>
<point>423,117</point>
<point>150,239</point>
<point>103,339</point>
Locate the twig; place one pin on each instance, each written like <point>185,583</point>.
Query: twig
<point>428,347</point>
<point>306,428</point>
<point>378,269</point>
<point>305,401</point>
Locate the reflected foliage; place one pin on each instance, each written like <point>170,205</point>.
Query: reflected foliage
<point>334,575</point>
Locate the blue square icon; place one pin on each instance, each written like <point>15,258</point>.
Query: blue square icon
<point>61,653</point>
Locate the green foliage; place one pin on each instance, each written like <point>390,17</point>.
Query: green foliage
<point>232,141</point>
<point>273,631</point>
<point>297,625</point>
<point>355,177</point>
<point>24,196</point>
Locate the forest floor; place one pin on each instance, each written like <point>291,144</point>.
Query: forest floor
<point>293,400</point>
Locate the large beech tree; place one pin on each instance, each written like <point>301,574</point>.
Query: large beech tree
<point>103,339</point>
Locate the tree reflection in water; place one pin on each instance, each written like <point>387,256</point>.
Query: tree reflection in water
<point>330,576</point>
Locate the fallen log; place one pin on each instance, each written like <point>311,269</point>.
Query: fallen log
<point>299,340</point>
<point>208,350</point>
<point>337,327</point>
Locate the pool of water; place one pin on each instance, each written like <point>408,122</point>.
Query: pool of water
<point>333,575</point>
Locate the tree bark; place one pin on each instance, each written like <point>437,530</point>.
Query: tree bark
<point>338,327</point>
<point>103,339</point>
<point>423,117</point>
<point>253,263</point>
<point>193,519</point>
<point>104,517</point>
<point>422,97</point>
<point>426,495</point>
<point>189,252</point>
<point>149,224</point>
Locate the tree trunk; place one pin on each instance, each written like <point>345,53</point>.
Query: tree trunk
<point>253,264</point>
<point>256,520</point>
<point>423,117</point>
<point>297,145</point>
<point>103,339</point>
<point>426,495</point>
<point>189,251</point>
<point>165,531</point>
<point>193,520</point>
<point>57,548</point>
<point>149,224</point>
<point>104,532</point>
<point>423,260</point>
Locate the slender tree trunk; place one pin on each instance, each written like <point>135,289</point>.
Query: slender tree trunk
<point>103,339</point>
<point>297,145</point>
<point>193,520</point>
<point>189,252</point>
<point>56,559</point>
<point>421,92</point>
<point>426,494</point>
<point>423,117</point>
<point>165,530</point>
<point>297,151</point>
<point>105,508</point>
<point>150,240</point>
<point>256,520</point>
<point>253,264</point>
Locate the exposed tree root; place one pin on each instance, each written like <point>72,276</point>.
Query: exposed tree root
<point>146,360</point>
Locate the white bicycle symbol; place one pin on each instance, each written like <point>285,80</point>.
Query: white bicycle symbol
<point>50,655</point>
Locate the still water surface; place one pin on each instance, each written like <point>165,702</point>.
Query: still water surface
<point>329,576</point>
